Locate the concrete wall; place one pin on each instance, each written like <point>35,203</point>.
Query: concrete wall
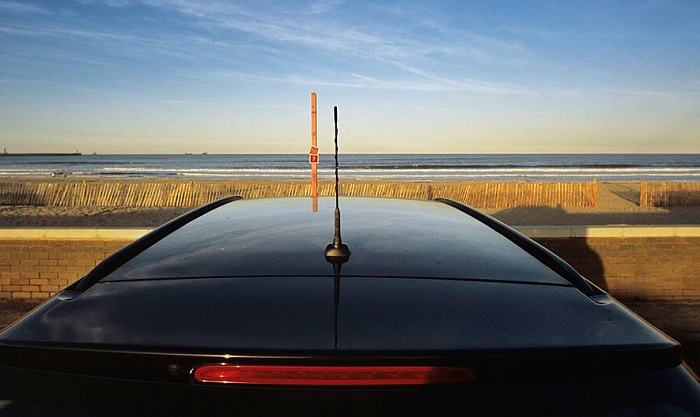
<point>632,263</point>
<point>639,268</point>
<point>40,268</point>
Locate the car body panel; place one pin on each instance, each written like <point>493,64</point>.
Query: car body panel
<point>452,315</point>
<point>287,314</point>
<point>242,313</point>
<point>427,284</point>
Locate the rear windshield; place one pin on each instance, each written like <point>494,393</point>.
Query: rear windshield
<point>386,238</point>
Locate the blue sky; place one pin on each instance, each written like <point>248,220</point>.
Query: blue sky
<point>172,76</point>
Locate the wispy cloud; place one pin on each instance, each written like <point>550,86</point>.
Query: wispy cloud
<point>110,3</point>
<point>430,46</point>
<point>21,8</point>
<point>164,56</point>
<point>441,84</point>
<point>324,6</point>
<point>190,103</point>
<point>286,25</point>
<point>673,95</point>
<point>456,40</point>
<point>183,47</point>
<point>436,83</point>
<point>422,53</point>
<point>28,30</point>
<point>423,56</point>
<point>354,80</point>
<point>226,103</point>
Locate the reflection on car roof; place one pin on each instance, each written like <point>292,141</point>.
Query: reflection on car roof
<point>283,237</point>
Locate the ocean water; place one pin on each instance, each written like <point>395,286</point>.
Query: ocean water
<point>409,167</point>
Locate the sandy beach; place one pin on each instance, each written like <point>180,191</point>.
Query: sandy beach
<point>618,204</point>
<point>108,217</point>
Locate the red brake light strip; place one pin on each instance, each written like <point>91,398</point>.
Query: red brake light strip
<point>332,375</point>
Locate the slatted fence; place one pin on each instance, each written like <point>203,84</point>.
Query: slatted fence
<point>669,194</point>
<point>172,193</point>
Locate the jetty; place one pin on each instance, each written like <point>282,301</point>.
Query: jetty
<point>5,153</point>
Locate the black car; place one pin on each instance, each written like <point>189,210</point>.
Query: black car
<point>242,307</point>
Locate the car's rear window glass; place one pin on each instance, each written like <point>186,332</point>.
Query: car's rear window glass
<point>386,238</point>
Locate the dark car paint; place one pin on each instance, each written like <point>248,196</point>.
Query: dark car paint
<point>287,314</point>
<point>666,392</point>
<point>425,285</point>
<point>239,313</point>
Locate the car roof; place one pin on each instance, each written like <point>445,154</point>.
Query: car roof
<point>387,238</point>
<point>252,276</point>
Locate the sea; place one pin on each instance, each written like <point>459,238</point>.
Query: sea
<point>394,167</point>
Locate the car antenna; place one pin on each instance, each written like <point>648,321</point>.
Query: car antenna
<point>337,252</point>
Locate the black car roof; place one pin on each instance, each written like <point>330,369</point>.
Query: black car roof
<point>422,277</point>
<point>283,237</point>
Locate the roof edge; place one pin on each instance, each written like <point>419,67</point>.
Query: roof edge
<point>129,251</point>
<point>542,254</point>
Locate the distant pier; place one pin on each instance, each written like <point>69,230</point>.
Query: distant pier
<point>5,153</point>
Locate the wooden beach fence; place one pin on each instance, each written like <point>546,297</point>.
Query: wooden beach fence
<point>136,193</point>
<point>669,194</point>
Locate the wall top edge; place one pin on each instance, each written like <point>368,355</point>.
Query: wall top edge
<point>611,231</point>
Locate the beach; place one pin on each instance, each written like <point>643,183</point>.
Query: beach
<point>618,204</point>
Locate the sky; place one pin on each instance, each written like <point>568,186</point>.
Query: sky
<point>174,76</point>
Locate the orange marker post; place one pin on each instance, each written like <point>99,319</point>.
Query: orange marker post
<point>313,156</point>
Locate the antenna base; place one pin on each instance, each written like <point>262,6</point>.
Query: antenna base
<point>337,253</point>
